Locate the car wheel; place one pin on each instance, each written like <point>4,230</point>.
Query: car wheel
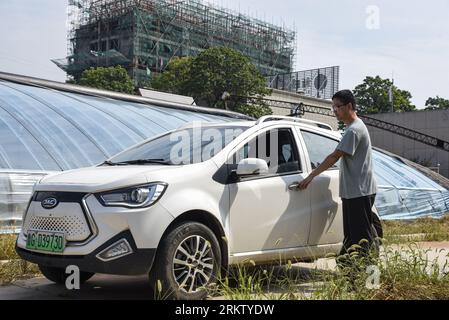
<point>58,275</point>
<point>187,262</point>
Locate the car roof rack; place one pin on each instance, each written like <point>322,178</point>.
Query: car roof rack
<point>309,122</point>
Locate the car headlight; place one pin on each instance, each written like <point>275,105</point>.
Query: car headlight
<point>133,197</point>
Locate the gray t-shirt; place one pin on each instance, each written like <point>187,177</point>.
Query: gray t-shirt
<point>356,169</point>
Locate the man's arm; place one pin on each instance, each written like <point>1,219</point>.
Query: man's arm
<point>327,163</point>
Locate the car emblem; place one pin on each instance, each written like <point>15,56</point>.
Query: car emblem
<point>49,203</point>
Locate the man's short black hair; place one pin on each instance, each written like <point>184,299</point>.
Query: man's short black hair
<point>346,96</point>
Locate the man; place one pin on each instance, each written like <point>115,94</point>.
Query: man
<point>357,182</point>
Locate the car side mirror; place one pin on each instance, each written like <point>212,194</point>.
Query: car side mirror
<point>252,167</point>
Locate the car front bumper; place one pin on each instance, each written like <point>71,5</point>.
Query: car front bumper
<point>138,262</point>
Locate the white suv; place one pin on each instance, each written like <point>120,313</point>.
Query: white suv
<point>184,205</point>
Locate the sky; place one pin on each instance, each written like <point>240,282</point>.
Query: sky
<point>409,40</point>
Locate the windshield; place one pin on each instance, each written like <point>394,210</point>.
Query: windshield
<point>181,147</point>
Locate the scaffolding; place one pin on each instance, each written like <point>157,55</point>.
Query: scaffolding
<point>144,35</point>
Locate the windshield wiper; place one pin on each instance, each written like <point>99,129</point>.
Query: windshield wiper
<point>109,163</point>
<point>139,161</point>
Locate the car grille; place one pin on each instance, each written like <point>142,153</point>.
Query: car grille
<point>75,225</point>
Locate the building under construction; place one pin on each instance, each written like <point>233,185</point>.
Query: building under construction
<point>143,35</point>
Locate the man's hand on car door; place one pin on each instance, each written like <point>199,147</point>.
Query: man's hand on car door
<point>305,183</point>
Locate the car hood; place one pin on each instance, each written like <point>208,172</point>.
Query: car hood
<point>95,179</point>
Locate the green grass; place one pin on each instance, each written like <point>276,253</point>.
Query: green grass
<point>250,282</point>
<point>404,274</point>
<point>7,247</point>
<point>13,268</point>
<point>432,229</point>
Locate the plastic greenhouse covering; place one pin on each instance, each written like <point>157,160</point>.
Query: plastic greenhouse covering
<point>44,130</point>
<point>406,193</point>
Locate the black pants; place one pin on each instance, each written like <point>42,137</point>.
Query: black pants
<point>358,222</point>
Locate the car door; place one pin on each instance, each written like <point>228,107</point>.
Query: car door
<point>326,209</point>
<point>264,213</point>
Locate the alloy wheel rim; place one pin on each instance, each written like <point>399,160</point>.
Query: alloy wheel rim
<point>193,264</point>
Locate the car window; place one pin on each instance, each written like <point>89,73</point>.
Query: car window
<point>184,146</point>
<point>277,147</point>
<point>319,147</point>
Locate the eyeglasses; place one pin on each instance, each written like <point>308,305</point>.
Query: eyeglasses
<point>338,107</point>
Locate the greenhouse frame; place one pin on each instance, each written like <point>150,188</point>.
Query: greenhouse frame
<point>48,127</point>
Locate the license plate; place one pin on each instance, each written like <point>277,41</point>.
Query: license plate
<point>46,241</point>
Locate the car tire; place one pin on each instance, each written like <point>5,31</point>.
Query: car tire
<point>188,261</point>
<point>59,276</point>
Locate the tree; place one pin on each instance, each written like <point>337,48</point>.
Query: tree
<point>111,78</point>
<point>373,96</point>
<point>255,110</point>
<point>218,78</point>
<point>437,103</point>
<point>176,77</point>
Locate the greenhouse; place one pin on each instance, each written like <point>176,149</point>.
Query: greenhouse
<point>47,127</point>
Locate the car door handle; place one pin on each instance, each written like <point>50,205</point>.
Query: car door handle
<point>294,187</point>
